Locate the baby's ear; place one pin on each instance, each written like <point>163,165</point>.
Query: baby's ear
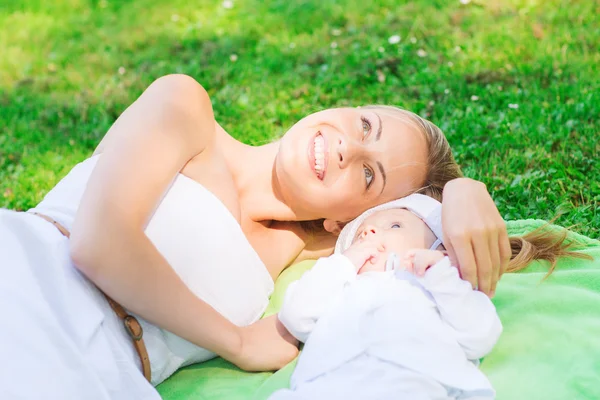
<point>332,226</point>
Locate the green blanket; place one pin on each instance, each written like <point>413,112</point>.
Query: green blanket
<point>550,347</point>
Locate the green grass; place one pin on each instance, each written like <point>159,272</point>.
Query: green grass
<point>70,67</point>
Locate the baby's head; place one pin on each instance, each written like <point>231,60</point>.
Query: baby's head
<point>397,230</point>
<point>413,222</point>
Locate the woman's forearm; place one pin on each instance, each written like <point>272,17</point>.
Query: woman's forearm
<point>128,268</point>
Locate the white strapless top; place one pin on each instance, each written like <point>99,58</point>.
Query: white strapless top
<point>202,242</point>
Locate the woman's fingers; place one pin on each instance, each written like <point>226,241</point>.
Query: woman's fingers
<point>460,251</point>
<point>478,243</point>
<point>494,251</point>
<point>483,259</point>
<point>505,249</point>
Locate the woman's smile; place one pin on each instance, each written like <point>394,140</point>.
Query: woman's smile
<point>318,155</point>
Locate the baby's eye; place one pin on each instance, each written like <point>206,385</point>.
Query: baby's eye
<point>396,226</point>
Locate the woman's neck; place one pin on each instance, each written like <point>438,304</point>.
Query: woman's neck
<point>253,170</point>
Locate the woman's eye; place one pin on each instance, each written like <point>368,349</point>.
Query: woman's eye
<point>368,176</point>
<point>396,226</point>
<point>366,126</point>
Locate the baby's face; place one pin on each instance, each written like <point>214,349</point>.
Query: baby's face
<point>397,230</point>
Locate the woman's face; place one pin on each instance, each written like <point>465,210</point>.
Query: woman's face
<point>336,163</point>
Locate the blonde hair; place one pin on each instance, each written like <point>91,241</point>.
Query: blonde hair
<point>441,166</point>
<point>544,243</point>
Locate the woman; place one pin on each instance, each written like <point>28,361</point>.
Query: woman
<point>176,221</point>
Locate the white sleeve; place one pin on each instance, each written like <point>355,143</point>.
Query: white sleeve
<point>307,299</point>
<point>470,313</point>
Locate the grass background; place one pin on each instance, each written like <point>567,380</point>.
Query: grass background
<point>514,84</point>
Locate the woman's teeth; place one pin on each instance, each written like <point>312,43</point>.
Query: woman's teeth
<point>319,156</point>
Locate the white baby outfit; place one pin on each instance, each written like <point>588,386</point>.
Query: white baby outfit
<point>388,335</point>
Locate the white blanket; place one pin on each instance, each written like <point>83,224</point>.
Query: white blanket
<point>435,327</point>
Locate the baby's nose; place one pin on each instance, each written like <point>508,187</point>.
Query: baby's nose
<point>369,231</point>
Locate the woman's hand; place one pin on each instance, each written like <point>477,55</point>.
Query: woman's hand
<point>474,233</point>
<point>266,346</point>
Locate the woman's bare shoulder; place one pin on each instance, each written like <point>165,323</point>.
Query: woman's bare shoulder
<point>180,95</point>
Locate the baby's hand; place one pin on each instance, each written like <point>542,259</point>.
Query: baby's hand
<point>363,252</point>
<point>418,261</point>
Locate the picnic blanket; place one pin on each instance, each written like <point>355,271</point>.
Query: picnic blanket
<point>550,347</point>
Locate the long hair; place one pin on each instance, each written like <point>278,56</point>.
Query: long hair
<point>544,243</point>
<point>441,165</point>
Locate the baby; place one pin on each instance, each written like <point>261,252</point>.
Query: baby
<point>387,316</point>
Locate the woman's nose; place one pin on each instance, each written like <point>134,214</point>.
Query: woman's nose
<point>347,150</point>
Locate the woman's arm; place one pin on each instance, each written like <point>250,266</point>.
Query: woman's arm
<point>171,123</point>
<point>474,233</point>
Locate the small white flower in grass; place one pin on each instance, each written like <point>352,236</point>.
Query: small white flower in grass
<point>446,91</point>
<point>233,57</point>
<point>228,4</point>
<point>457,49</point>
<point>174,17</point>
<point>336,32</point>
<point>334,45</point>
<point>324,67</point>
<point>292,45</point>
<point>121,70</point>
<point>465,1</point>
<point>394,39</point>
<point>513,106</point>
<point>421,53</point>
<point>413,40</point>
<point>380,49</point>
<point>431,103</point>
<point>474,98</point>
<point>450,64</point>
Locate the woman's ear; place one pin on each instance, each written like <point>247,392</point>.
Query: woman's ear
<point>332,226</point>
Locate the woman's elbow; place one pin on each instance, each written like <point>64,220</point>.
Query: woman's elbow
<point>89,250</point>
<point>83,254</point>
<point>182,91</point>
<point>183,105</point>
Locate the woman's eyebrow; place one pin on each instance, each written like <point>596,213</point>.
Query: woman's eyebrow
<point>383,175</point>
<point>378,135</point>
